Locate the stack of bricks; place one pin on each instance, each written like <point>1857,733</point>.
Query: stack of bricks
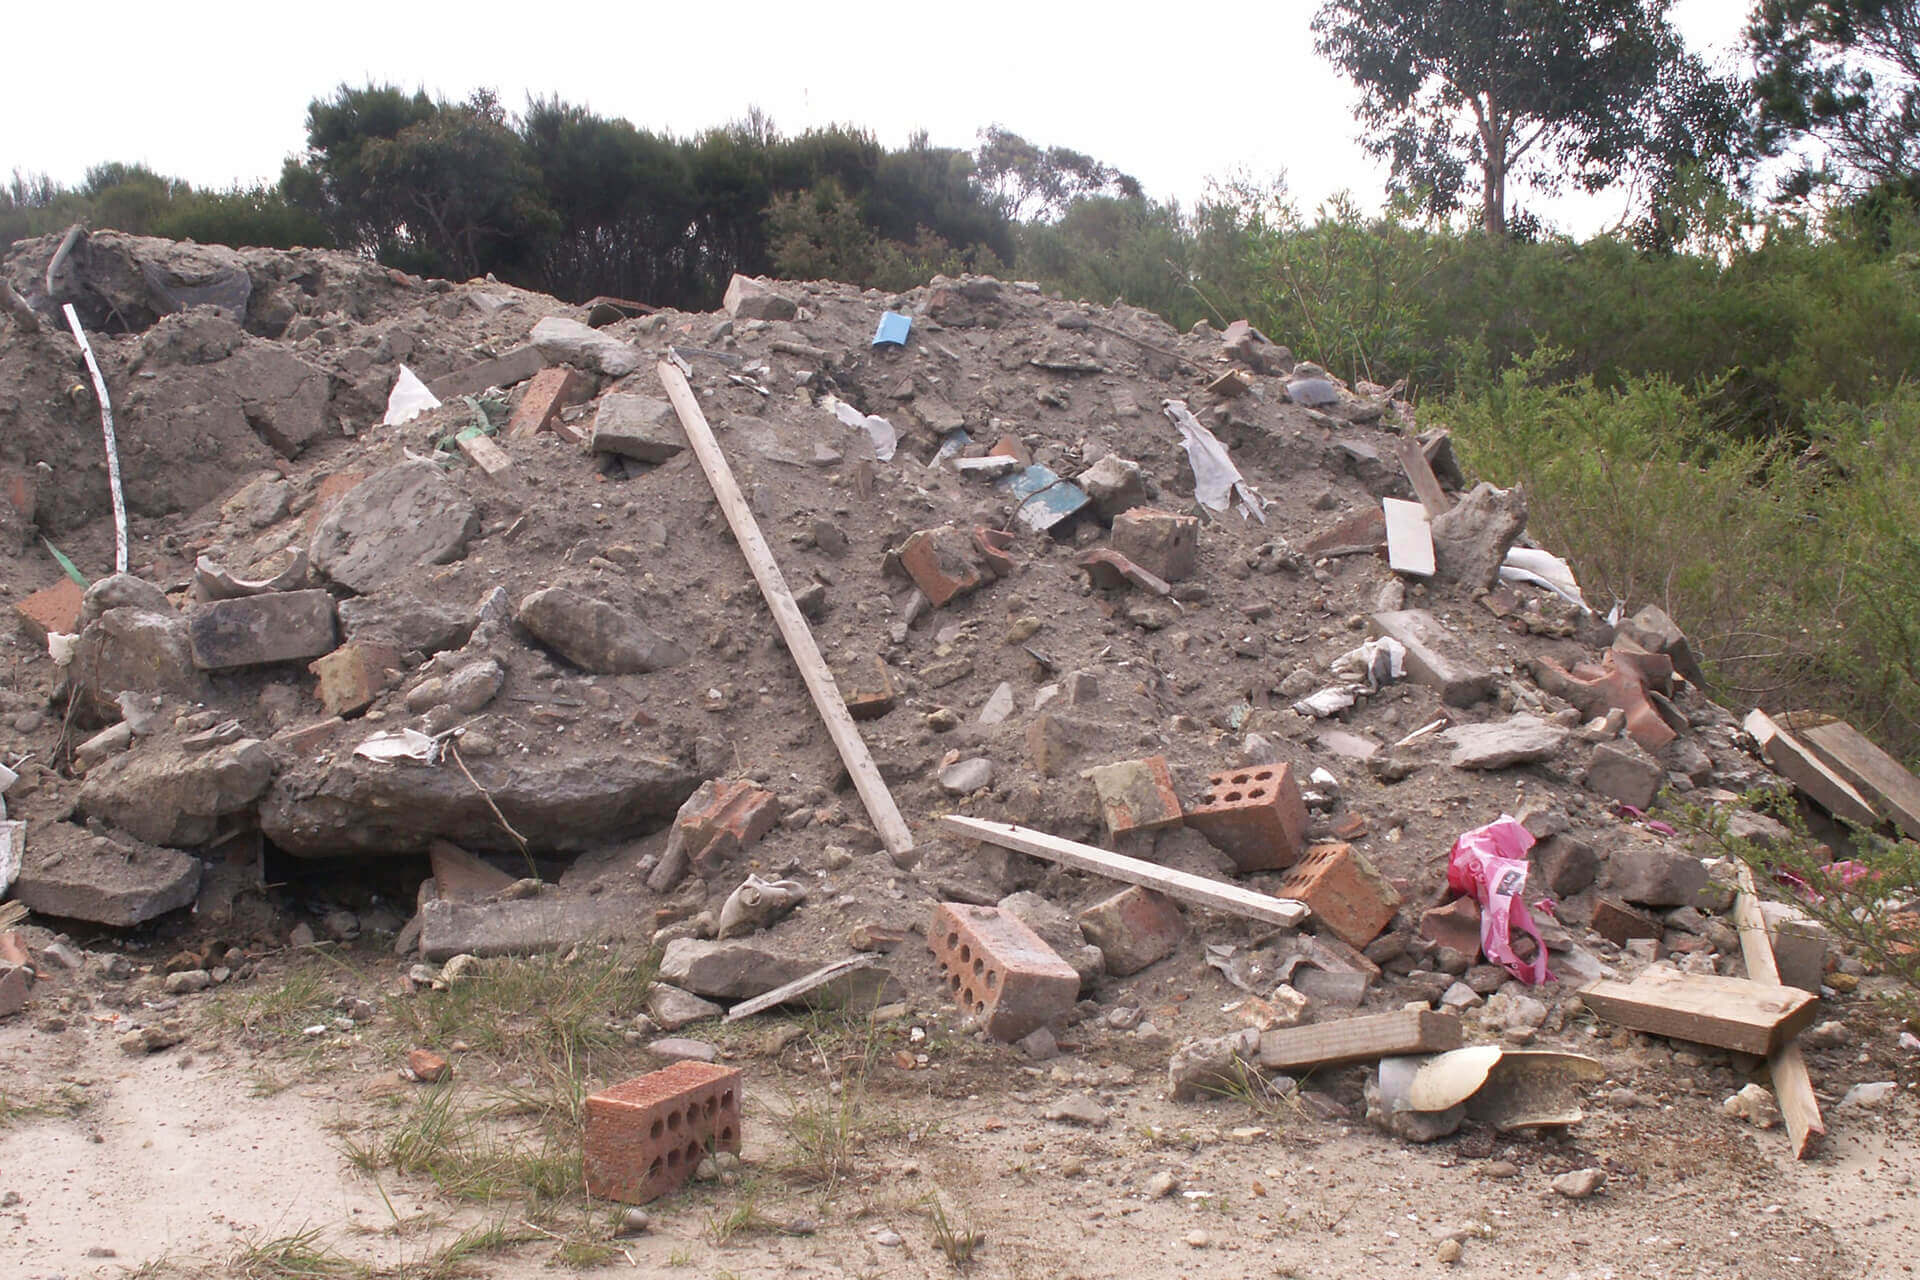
<point>645,1137</point>
<point>999,970</point>
<point>1255,816</point>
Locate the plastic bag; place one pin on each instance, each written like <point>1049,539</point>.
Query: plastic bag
<point>878,429</point>
<point>408,399</point>
<point>1490,863</point>
<point>1215,479</point>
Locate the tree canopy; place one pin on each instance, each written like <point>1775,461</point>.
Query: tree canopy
<point>1546,93</point>
<point>1844,74</point>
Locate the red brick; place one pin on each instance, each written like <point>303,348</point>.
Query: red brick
<point>1617,923</point>
<point>1108,570</point>
<point>942,563</point>
<point>1455,926</point>
<point>1133,928</point>
<point>352,676</point>
<point>551,390</point>
<point>1256,816</point>
<point>999,970</point>
<point>738,815</point>
<point>19,491</point>
<point>995,549</point>
<point>56,608</point>
<point>1164,543</point>
<point>645,1137</point>
<point>331,490</point>
<point>1136,795</point>
<point>1368,529</point>
<point>1350,899</point>
<point>1012,446</point>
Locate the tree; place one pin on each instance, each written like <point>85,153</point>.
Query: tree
<point>1548,93</point>
<point>1035,182</point>
<point>1845,76</point>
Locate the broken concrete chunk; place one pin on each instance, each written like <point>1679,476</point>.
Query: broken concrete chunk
<point>1655,632</point>
<point>1115,484</point>
<point>1656,876</point>
<point>570,342</point>
<point>116,880</point>
<point>1136,795</point>
<point>1133,929</point>
<point>404,623</point>
<point>393,523</point>
<point>1163,543</point>
<point>122,591</point>
<point>638,427</point>
<point>1622,771</point>
<point>1214,1067</point>
<point>595,635</point>
<point>671,1008</point>
<point>750,299</point>
<point>1434,657</point>
<point>1471,541</point>
<point>284,626</point>
<point>516,366</point>
<point>133,651</point>
<point>168,795</point>
<point>527,926</point>
<point>1503,744</point>
<point>728,970</point>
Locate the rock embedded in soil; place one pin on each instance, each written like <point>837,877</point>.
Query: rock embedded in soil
<point>392,524</point>
<point>165,794</point>
<point>116,880</point>
<point>596,635</point>
<point>1578,1184</point>
<point>1504,744</point>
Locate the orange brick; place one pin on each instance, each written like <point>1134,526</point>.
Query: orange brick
<point>1350,899</point>
<point>352,676</point>
<point>18,490</point>
<point>868,690</point>
<point>999,970</point>
<point>1133,928</point>
<point>55,608</point>
<point>738,815</point>
<point>551,390</point>
<point>1256,816</point>
<point>645,1137</point>
<point>942,563</point>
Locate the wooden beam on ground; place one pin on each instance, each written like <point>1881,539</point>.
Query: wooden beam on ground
<point>1727,1013</point>
<point>1792,759</point>
<point>1881,780</point>
<point>1409,538</point>
<point>1426,485</point>
<point>1379,1035</point>
<point>1792,1086</point>
<point>1200,891</point>
<point>894,833</point>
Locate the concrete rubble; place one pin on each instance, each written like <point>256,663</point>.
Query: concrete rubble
<point>621,748</point>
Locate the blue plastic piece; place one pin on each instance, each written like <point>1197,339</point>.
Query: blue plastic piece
<point>893,329</point>
<point>1045,499</point>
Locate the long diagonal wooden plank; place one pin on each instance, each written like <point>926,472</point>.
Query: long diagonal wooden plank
<point>894,833</point>
<point>1202,892</point>
<point>1792,1086</point>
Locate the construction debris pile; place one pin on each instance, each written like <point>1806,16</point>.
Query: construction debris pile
<point>1173,654</point>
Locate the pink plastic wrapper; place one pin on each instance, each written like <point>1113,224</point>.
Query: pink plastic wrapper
<point>1490,863</point>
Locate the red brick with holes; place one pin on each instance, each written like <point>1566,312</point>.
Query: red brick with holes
<point>1350,899</point>
<point>999,970</point>
<point>646,1136</point>
<point>1256,816</point>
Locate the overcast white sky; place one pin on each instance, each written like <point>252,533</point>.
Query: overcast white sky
<point>217,92</point>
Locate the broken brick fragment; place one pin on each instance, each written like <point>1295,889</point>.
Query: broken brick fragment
<point>1349,898</point>
<point>1163,543</point>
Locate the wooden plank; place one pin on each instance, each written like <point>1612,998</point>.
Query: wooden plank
<point>894,833</point>
<point>1202,892</point>
<point>1792,1086</point>
<point>1880,779</point>
<point>871,977</point>
<point>485,454</point>
<point>1791,758</point>
<point>1409,538</point>
<point>1380,1035</point>
<point>1728,1013</point>
<point>1426,485</point>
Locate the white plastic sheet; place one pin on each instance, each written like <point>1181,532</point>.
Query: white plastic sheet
<point>408,399</point>
<point>878,429</point>
<point>1543,568</point>
<point>1216,481</point>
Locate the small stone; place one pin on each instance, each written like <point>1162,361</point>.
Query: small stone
<point>301,935</point>
<point>1580,1183</point>
<point>964,777</point>
<point>888,1238</point>
<point>635,1221</point>
<point>677,1049</point>
<point>1078,1109</point>
<point>427,1066</point>
<point>1198,1238</point>
<point>1866,1095</point>
<point>1500,1169</point>
<point>1161,1185</point>
<point>188,981</point>
<point>1447,1251</point>
<point>1755,1105</point>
